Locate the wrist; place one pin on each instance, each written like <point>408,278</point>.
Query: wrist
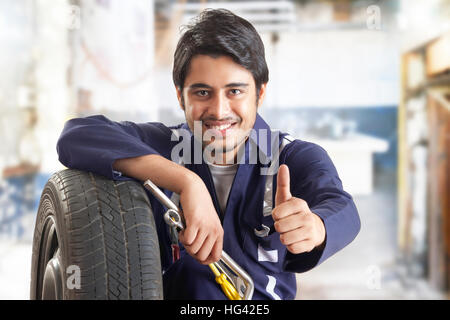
<point>188,180</point>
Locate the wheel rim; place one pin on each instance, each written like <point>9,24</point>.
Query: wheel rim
<point>51,275</point>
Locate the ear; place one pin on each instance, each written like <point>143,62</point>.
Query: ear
<point>180,97</point>
<point>262,94</point>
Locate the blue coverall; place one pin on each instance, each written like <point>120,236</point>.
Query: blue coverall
<point>94,143</point>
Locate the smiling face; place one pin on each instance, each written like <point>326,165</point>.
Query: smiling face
<point>222,95</point>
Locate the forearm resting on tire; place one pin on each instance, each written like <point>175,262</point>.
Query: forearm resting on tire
<point>203,236</point>
<point>162,172</point>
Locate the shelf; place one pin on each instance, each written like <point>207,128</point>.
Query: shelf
<point>426,74</point>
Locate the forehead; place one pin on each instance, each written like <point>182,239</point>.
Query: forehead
<point>216,71</point>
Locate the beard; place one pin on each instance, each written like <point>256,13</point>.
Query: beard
<point>225,145</point>
<point>223,150</point>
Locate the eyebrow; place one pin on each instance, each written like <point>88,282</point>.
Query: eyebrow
<point>229,85</point>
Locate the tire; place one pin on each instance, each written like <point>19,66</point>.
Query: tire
<point>94,238</point>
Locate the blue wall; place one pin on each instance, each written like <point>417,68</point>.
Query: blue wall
<point>379,122</point>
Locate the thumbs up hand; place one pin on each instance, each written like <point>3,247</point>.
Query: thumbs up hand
<point>300,229</point>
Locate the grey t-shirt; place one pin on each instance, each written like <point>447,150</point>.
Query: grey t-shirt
<point>223,177</point>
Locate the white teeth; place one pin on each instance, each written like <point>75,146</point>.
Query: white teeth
<point>222,127</point>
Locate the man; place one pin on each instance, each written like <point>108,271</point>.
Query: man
<point>272,224</point>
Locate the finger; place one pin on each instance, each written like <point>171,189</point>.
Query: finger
<point>197,244</point>
<point>300,247</point>
<point>290,207</point>
<point>289,223</point>
<point>283,185</point>
<point>293,236</point>
<point>205,251</point>
<point>216,253</point>
<point>188,235</point>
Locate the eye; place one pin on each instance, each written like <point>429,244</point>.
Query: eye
<point>202,93</point>
<point>235,91</point>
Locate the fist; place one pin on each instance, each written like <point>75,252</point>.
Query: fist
<point>300,229</point>
<point>203,236</point>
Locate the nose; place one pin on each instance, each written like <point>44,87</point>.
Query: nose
<point>220,107</point>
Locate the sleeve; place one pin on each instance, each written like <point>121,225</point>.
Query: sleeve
<point>94,143</point>
<point>315,180</point>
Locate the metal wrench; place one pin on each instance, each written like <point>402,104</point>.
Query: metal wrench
<point>236,275</point>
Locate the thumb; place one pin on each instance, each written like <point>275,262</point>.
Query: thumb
<point>283,185</point>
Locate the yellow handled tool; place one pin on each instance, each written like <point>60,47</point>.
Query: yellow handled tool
<point>234,281</point>
<point>227,288</point>
<point>221,278</point>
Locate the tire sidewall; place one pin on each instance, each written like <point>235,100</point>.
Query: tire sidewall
<point>51,206</point>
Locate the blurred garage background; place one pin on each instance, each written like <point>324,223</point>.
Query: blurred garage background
<point>368,80</point>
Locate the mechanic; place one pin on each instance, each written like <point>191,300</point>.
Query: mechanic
<point>272,225</point>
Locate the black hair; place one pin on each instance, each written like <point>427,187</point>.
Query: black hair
<point>219,32</point>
